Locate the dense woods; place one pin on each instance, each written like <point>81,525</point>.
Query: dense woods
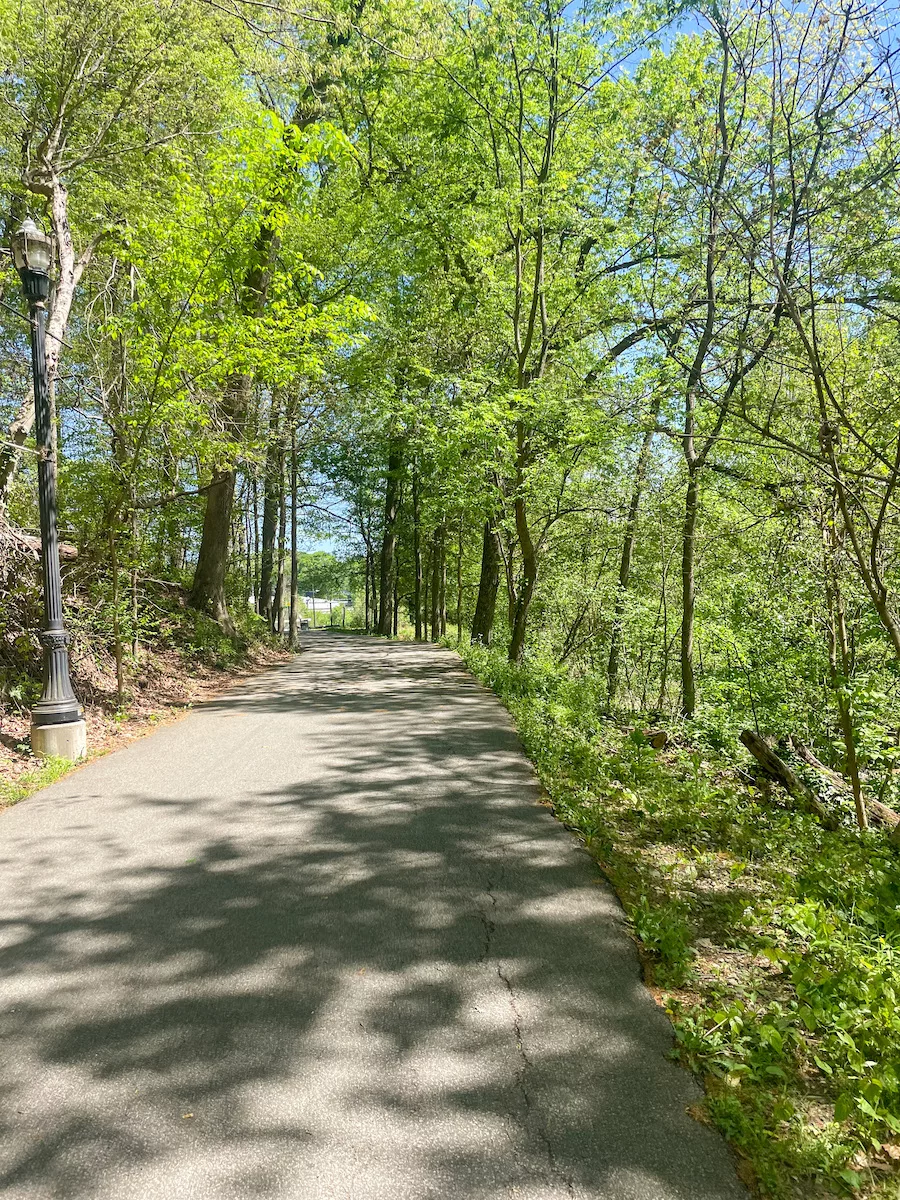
<point>575,329</point>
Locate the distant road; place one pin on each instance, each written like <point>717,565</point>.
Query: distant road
<point>320,939</point>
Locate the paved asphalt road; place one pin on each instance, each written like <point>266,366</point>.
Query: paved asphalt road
<point>320,939</point>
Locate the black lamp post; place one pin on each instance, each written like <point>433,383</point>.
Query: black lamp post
<point>57,706</point>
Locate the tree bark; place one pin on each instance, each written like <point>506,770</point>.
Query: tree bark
<point>292,624</point>
<point>616,637</point>
<point>368,589</point>
<point>208,591</point>
<point>277,618</point>
<point>436,563</point>
<point>274,474</point>
<point>525,591</point>
<point>775,766</point>
<point>396,605</point>
<point>879,812</point>
<point>417,556</point>
<point>255,546</point>
<point>443,582</point>
<point>459,584</point>
<point>688,594</point>
<point>426,598</point>
<point>389,537</point>
<point>488,586</point>
<point>839,670</point>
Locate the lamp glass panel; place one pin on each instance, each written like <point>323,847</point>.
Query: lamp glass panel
<point>38,253</point>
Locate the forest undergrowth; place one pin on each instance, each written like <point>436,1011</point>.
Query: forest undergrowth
<point>772,942</point>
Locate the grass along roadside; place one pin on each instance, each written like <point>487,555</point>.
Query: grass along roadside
<point>773,943</point>
<point>27,782</point>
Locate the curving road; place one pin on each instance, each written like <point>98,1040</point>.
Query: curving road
<point>320,939</point>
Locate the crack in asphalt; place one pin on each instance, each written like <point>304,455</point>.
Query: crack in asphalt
<point>533,1116</point>
<point>487,923</point>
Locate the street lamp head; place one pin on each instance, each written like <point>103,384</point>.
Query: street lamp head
<point>32,254</point>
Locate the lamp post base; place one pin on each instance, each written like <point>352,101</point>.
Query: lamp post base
<point>68,740</point>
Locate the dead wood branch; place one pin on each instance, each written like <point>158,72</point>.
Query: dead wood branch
<point>792,783</point>
<point>879,813</point>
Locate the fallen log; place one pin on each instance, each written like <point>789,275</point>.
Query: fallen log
<point>788,778</point>
<point>67,551</point>
<point>657,738</point>
<point>880,813</point>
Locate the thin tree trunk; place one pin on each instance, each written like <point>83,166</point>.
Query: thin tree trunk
<point>688,594</point>
<point>368,593</point>
<point>459,584</point>
<point>272,498</point>
<point>256,601</point>
<point>117,629</point>
<point>488,586</point>
<point>436,585</point>
<point>389,537</point>
<point>396,605</point>
<point>292,625</point>
<point>376,611</point>
<point>839,669</point>
<point>615,643</point>
<point>417,556</point>
<point>427,598</point>
<point>135,590</point>
<point>277,618</point>
<point>443,596</point>
<point>525,591</point>
<point>248,548</point>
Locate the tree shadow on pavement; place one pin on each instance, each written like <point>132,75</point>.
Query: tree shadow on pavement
<point>380,969</point>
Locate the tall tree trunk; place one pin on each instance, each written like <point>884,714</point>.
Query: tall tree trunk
<point>277,619</point>
<point>417,555</point>
<point>839,663</point>
<point>368,589</point>
<point>525,590</point>
<point>208,591</point>
<point>488,586</point>
<point>389,537</point>
<point>248,546</point>
<point>255,545</point>
<point>116,624</point>
<point>135,588</point>
<point>615,642</point>
<point>396,593</point>
<point>426,600</point>
<point>688,593</point>
<point>292,624</point>
<point>272,495</point>
<point>436,558</point>
<point>443,597</point>
<point>376,612</point>
<point>459,585</point>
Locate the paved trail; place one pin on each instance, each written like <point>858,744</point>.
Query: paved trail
<point>317,940</point>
